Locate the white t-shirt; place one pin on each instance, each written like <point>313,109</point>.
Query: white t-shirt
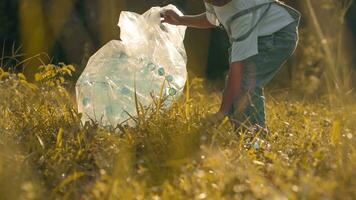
<point>276,18</point>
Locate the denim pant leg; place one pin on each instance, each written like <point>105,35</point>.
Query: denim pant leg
<point>254,112</point>
<point>259,70</point>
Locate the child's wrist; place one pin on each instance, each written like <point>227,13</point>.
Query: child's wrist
<point>182,20</point>
<point>222,113</point>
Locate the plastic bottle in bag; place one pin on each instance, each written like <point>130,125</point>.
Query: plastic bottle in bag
<point>149,55</point>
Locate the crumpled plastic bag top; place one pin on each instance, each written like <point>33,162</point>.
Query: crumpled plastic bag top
<point>150,55</point>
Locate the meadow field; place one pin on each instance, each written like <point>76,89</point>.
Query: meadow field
<point>46,152</point>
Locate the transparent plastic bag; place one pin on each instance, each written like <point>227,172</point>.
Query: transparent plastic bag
<point>150,55</point>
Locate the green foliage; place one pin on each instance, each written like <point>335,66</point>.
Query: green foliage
<point>48,153</point>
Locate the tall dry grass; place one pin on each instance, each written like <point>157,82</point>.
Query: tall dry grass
<point>47,153</point>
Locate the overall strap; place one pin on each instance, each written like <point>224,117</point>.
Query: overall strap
<point>293,12</point>
<point>242,13</point>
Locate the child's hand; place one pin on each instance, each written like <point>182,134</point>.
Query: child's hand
<point>171,17</point>
<point>215,118</point>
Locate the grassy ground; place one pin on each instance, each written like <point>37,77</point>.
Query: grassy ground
<point>47,153</point>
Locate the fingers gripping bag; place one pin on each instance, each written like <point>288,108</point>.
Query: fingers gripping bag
<point>150,58</point>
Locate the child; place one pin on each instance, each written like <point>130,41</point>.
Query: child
<point>263,35</point>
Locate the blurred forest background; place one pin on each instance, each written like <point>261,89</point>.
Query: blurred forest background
<point>47,152</point>
<point>70,31</point>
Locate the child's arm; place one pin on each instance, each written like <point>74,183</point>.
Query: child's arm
<point>196,21</point>
<point>233,87</point>
<point>231,92</point>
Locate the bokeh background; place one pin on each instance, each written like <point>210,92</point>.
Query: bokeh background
<point>70,31</point>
